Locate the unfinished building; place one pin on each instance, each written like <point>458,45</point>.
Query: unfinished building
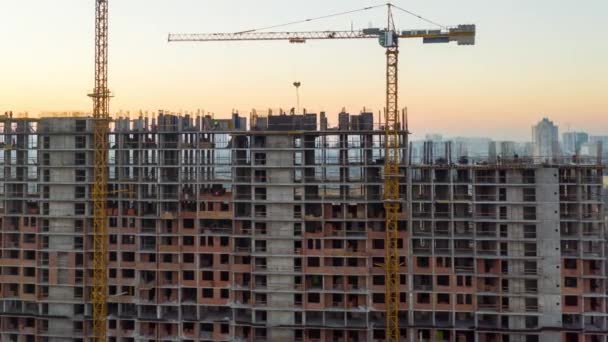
<point>220,230</point>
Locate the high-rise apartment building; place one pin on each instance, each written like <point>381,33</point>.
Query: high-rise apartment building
<point>599,139</point>
<point>601,143</point>
<point>572,142</point>
<point>471,146</point>
<point>545,137</point>
<point>219,232</point>
<point>596,146</point>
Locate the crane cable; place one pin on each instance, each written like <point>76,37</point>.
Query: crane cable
<point>420,17</point>
<point>312,19</point>
<point>344,13</point>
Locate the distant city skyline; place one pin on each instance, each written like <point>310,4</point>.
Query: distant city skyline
<point>546,142</point>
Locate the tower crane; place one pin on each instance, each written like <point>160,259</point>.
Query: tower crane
<point>101,120</point>
<point>389,39</point>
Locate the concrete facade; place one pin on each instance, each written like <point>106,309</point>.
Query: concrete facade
<point>276,233</point>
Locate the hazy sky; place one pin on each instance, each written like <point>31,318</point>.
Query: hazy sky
<point>532,59</point>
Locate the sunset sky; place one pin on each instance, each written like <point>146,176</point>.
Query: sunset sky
<point>532,59</point>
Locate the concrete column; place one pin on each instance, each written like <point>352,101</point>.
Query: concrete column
<point>280,215</point>
<point>549,254</point>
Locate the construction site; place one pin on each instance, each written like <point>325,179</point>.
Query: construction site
<point>281,227</point>
<point>220,230</point>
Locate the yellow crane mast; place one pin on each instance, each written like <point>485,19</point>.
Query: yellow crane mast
<point>101,116</point>
<point>392,172</point>
<point>389,39</point>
